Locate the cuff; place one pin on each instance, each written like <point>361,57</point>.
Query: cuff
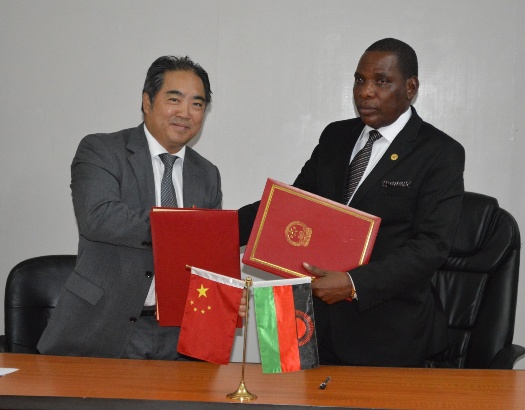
<point>354,292</point>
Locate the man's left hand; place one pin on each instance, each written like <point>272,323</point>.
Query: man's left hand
<point>330,286</point>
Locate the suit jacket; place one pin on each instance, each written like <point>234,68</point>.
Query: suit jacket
<point>416,189</point>
<point>113,191</point>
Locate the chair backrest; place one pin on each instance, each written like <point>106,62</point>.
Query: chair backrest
<point>32,290</point>
<point>478,284</point>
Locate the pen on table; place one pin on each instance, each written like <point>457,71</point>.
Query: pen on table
<point>323,385</point>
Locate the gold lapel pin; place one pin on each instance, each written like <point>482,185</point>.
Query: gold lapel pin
<point>393,157</point>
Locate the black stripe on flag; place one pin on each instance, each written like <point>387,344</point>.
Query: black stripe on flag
<point>304,318</point>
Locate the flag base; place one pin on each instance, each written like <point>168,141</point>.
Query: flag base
<point>242,394</point>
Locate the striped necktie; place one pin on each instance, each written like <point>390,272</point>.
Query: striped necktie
<point>358,165</point>
<point>168,197</point>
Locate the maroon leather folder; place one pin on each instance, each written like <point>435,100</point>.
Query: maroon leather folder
<point>293,226</point>
<point>181,237</point>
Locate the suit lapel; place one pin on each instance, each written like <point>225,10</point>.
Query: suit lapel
<point>402,145</point>
<point>140,161</point>
<point>193,182</point>
<point>342,161</point>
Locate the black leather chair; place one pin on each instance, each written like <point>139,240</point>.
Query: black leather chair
<point>478,286</point>
<point>31,293</point>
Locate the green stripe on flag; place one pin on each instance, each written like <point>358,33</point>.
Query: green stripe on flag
<point>267,329</point>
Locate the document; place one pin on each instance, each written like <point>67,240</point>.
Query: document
<point>182,238</point>
<point>6,370</point>
<point>293,226</point>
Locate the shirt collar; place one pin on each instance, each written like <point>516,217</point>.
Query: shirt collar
<point>390,131</point>
<point>156,149</point>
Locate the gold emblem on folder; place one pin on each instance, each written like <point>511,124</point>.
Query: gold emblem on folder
<point>298,234</point>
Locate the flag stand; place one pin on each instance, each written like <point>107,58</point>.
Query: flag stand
<point>242,393</point>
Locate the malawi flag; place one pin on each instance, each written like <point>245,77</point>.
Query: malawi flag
<point>285,325</point>
<point>210,316</point>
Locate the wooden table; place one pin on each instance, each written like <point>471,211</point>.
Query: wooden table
<point>74,382</point>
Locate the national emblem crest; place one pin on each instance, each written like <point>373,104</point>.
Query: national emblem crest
<point>298,234</point>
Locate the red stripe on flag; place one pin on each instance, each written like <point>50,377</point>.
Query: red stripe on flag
<point>286,327</point>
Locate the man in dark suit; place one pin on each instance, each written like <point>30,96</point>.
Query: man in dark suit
<point>414,182</point>
<point>106,308</point>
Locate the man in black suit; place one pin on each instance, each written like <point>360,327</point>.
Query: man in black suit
<point>414,182</point>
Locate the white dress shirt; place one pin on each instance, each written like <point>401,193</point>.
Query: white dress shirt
<point>389,133</point>
<point>155,150</point>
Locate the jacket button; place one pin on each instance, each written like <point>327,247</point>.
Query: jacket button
<point>132,319</point>
<point>149,274</point>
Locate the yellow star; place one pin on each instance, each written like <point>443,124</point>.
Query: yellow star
<point>202,291</point>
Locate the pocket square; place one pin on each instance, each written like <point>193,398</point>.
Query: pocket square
<point>397,184</point>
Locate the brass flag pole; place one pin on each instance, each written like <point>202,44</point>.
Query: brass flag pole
<point>242,393</point>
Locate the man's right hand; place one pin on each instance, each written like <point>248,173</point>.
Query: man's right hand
<point>330,286</point>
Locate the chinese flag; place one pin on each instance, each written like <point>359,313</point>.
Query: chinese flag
<point>210,316</point>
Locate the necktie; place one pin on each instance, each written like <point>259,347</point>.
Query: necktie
<point>358,165</point>
<point>167,191</point>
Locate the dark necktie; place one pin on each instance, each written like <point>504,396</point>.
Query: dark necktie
<point>167,191</point>
<point>358,165</point>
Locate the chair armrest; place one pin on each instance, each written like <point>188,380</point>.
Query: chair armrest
<point>506,357</point>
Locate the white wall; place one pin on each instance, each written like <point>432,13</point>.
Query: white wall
<point>280,72</point>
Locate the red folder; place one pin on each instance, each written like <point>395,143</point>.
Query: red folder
<point>204,238</point>
<point>293,226</point>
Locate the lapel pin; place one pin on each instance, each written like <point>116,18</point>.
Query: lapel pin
<point>393,157</point>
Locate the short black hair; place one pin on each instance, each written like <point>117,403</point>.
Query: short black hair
<point>406,56</point>
<point>155,76</point>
